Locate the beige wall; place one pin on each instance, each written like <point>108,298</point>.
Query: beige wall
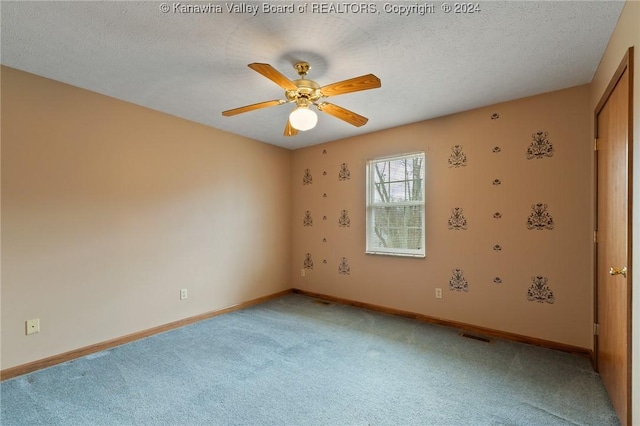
<point>627,34</point>
<point>562,255</point>
<point>108,209</point>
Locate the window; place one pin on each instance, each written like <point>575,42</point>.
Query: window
<point>395,205</point>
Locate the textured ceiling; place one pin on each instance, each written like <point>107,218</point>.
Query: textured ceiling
<point>194,65</point>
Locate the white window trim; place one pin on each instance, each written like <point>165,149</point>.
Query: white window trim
<point>370,205</point>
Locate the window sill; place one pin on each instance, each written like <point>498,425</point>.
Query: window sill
<point>384,253</point>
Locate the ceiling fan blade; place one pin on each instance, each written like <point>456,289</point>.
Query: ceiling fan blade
<point>364,82</point>
<point>343,114</point>
<point>252,107</point>
<point>274,75</point>
<point>289,130</point>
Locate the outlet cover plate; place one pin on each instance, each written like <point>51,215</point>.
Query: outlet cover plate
<point>183,294</point>
<point>33,326</point>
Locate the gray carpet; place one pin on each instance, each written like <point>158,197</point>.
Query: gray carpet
<point>298,361</point>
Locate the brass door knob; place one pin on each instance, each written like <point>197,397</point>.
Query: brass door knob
<point>618,271</point>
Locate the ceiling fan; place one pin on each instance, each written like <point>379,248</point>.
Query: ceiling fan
<point>304,93</point>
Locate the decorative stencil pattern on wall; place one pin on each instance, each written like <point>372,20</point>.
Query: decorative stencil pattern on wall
<point>457,157</point>
<point>307,179</point>
<point>308,263</point>
<point>540,146</point>
<point>457,221</point>
<point>458,281</point>
<point>482,189</point>
<point>343,220</point>
<point>307,220</point>
<point>343,267</point>
<point>540,291</point>
<point>540,218</point>
<point>344,173</point>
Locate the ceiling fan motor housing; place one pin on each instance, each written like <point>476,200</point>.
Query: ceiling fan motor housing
<point>307,89</point>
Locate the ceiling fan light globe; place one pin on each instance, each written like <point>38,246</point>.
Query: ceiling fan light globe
<point>303,119</point>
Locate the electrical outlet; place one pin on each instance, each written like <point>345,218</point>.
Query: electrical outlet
<point>33,326</point>
<point>438,293</point>
<point>302,272</point>
<point>183,294</point>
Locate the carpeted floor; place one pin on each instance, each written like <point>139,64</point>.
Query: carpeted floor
<point>298,361</point>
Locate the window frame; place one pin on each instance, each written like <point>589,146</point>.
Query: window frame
<point>371,204</point>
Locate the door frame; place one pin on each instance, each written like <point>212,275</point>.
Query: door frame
<point>625,65</point>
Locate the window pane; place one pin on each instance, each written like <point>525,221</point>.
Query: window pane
<point>397,227</point>
<point>415,193</point>
<point>398,170</point>
<point>413,216</point>
<point>381,171</point>
<point>381,193</point>
<point>381,217</point>
<point>397,191</point>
